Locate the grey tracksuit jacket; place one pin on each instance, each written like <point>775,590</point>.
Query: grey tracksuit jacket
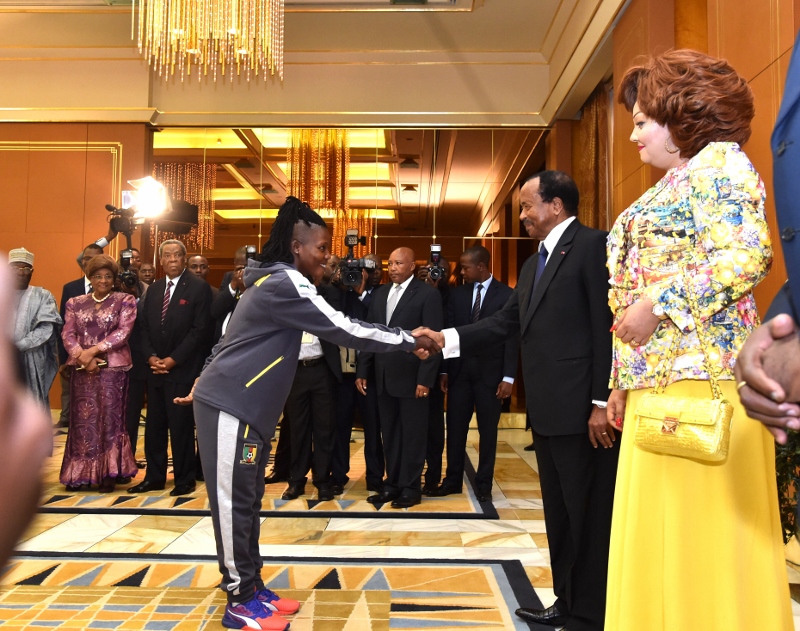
<point>252,369</point>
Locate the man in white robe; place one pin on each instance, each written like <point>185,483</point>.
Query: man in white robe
<point>36,327</point>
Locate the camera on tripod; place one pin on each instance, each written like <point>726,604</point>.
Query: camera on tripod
<point>122,220</point>
<point>436,271</point>
<point>350,267</point>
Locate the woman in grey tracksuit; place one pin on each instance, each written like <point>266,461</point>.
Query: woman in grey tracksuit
<point>240,395</point>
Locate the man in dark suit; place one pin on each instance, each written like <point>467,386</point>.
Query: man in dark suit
<point>559,308</point>
<point>227,297</point>
<point>73,288</point>
<point>374,457</point>
<point>403,381</point>
<point>176,330</point>
<point>479,382</point>
<point>309,416</point>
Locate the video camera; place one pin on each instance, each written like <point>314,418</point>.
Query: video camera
<point>122,220</point>
<point>350,267</point>
<point>250,252</point>
<point>436,271</point>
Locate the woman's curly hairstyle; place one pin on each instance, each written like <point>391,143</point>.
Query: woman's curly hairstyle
<point>700,99</point>
<point>101,261</point>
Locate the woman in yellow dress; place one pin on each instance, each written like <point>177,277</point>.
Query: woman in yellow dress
<point>694,545</point>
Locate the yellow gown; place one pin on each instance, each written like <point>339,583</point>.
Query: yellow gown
<point>697,546</point>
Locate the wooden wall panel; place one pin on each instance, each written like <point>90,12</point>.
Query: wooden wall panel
<point>758,150</point>
<point>646,28</point>
<point>770,32</point>
<point>55,180</point>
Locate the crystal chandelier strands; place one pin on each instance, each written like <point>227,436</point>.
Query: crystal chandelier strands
<point>212,34</point>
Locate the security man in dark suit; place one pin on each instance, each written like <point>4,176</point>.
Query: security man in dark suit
<point>560,310</point>
<point>403,381</point>
<point>374,456</point>
<point>479,382</point>
<point>176,330</point>
<point>225,300</point>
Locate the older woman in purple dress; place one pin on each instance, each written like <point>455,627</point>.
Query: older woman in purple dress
<point>96,331</point>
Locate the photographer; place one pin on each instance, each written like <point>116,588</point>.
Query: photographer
<point>346,299</point>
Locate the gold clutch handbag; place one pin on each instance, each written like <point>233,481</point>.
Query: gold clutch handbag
<point>688,427</point>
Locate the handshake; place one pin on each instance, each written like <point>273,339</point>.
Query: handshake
<point>428,342</point>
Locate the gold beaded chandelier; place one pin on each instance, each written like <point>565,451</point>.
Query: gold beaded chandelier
<point>212,35</point>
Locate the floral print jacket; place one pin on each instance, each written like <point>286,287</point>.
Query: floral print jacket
<point>701,229</point>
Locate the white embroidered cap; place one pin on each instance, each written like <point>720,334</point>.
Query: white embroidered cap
<point>20,255</point>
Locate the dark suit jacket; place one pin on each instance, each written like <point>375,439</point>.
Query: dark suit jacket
<point>72,289</point>
<point>495,361</point>
<point>564,331</point>
<point>140,368</point>
<point>186,333</point>
<point>400,372</point>
<point>785,164</point>
<point>221,305</point>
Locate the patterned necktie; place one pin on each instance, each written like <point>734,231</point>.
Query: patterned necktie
<point>392,303</point>
<point>476,308</point>
<point>165,304</point>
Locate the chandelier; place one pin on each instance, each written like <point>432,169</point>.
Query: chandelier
<point>215,34</point>
<point>319,174</point>
<point>193,183</point>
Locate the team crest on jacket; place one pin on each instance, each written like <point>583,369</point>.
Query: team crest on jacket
<point>249,454</point>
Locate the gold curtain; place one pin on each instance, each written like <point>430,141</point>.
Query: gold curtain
<point>194,183</point>
<point>319,174</point>
<point>590,159</point>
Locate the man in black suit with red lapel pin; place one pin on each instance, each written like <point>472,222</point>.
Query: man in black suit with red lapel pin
<point>560,310</point>
<point>176,330</point>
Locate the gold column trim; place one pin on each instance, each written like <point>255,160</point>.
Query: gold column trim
<point>114,148</point>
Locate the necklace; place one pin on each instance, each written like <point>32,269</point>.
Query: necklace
<point>99,300</point>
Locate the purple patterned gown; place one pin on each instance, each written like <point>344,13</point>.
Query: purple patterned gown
<point>97,445</point>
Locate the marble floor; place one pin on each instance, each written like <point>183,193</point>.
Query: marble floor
<point>518,534</point>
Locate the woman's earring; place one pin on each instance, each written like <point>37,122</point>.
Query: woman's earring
<point>666,146</point>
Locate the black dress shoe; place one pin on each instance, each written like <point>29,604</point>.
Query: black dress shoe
<point>430,489</point>
<point>528,447</point>
<point>483,496</point>
<point>337,489</point>
<point>383,497</point>
<point>445,490</point>
<point>325,493</point>
<point>550,616</point>
<point>293,491</point>
<point>182,489</point>
<point>140,464</point>
<point>124,480</point>
<point>146,487</point>
<point>275,478</point>
<point>406,501</point>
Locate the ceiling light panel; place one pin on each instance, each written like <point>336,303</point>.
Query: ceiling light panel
<point>197,139</point>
